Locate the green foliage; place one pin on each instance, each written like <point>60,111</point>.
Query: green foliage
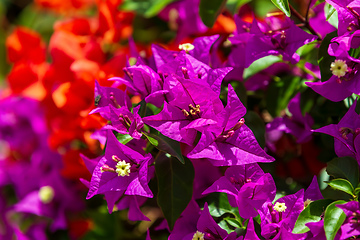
<point>175,184</point>
<point>346,168</point>
<point>147,8</point>
<point>234,5</point>
<point>260,65</point>
<point>123,138</point>
<point>331,15</point>
<point>333,219</point>
<point>280,93</point>
<point>283,5</point>
<point>257,126</point>
<point>219,204</point>
<point>166,144</point>
<point>324,58</point>
<point>342,185</point>
<point>209,10</point>
<point>312,213</point>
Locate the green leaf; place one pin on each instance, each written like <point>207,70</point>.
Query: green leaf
<point>260,65</point>
<point>312,213</point>
<point>233,222</point>
<point>333,219</point>
<point>283,5</point>
<point>166,144</point>
<point>344,167</point>
<point>280,92</point>
<point>123,138</point>
<point>257,126</point>
<point>156,7</point>
<point>234,5</point>
<point>175,181</point>
<point>331,15</point>
<point>324,58</point>
<point>209,10</point>
<point>218,204</point>
<point>342,185</point>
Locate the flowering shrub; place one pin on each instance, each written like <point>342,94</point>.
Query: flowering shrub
<point>181,120</point>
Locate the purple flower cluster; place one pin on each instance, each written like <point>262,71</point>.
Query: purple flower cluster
<point>42,195</point>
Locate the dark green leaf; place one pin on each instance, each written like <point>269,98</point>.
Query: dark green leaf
<point>283,5</point>
<point>209,10</point>
<point>342,185</point>
<point>280,92</point>
<point>175,181</point>
<point>166,144</point>
<point>333,219</point>
<point>324,58</point>
<point>344,167</point>
<point>257,126</point>
<point>311,213</point>
<point>240,91</point>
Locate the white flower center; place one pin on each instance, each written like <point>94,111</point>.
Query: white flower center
<point>339,68</point>
<point>198,236</point>
<point>186,47</point>
<point>123,168</point>
<point>46,194</point>
<point>280,207</point>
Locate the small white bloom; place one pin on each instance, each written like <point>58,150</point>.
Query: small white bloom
<point>123,168</point>
<point>280,207</point>
<point>186,46</point>
<point>46,194</point>
<point>198,236</point>
<point>339,68</point>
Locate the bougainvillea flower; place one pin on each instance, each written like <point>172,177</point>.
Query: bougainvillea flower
<point>182,14</point>
<point>35,231</point>
<point>202,47</point>
<point>186,223</point>
<point>125,122</point>
<point>284,42</point>
<point>7,230</point>
<point>279,218</point>
<point>317,231</point>
<point>231,142</point>
<point>22,127</point>
<point>247,186</point>
<point>25,45</point>
<point>333,90</point>
<point>313,193</point>
<point>105,96</point>
<point>348,15</point>
<point>351,226</point>
<point>121,169</point>
<point>193,225</point>
<point>192,105</point>
<point>345,133</point>
<point>142,80</point>
<point>133,203</point>
<point>53,199</point>
<point>205,175</point>
<point>297,125</point>
<point>318,21</point>
<point>345,70</point>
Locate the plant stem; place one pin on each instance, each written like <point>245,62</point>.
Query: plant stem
<point>304,20</point>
